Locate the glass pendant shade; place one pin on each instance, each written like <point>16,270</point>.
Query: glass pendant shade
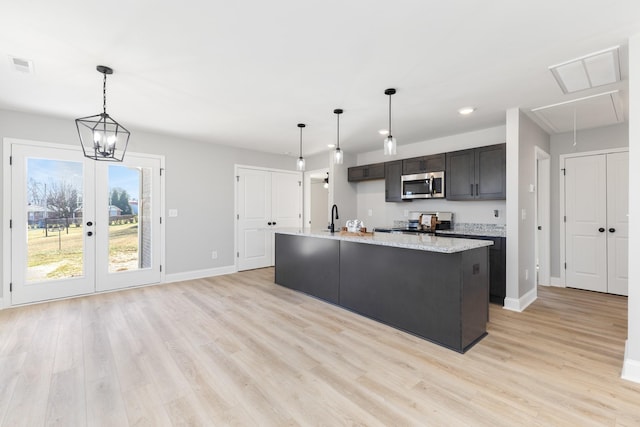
<point>390,141</point>
<point>390,146</point>
<point>300,164</point>
<point>101,137</point>
<point>338,156</point>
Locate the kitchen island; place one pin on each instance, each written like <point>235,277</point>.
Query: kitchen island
<point>433,287</point>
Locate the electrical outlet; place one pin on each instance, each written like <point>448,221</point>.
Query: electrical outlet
<point>370,212</point>
<point>214,255</point>
<point>524,214</point>
<point>173,213</point>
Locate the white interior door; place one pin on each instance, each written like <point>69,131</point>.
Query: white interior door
<point>254,219</point>
<point>585,208</point>
<point>52,248</point>
<point>618,222</point>
<point>266,200</point>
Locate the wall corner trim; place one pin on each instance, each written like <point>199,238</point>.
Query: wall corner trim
<point>630,367</point>
<point>520,304</point>
<point>200,274</point>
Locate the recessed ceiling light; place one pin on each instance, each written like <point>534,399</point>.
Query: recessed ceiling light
<point>331,145</point>
<point>383,132</point>
<point>466,110</point>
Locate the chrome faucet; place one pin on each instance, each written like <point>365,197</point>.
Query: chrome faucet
<point>332,226</point>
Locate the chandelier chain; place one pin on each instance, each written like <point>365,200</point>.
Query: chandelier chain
<point>104,94</point>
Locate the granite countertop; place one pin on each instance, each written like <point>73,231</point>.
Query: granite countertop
<point>421,242</point>
<point>489,230</point>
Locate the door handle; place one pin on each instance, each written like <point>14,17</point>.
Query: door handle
<point>274,223</point>
<point>89,233</point>
<point>269,223</point>
<point>612,230</point>
<point>601,230</point>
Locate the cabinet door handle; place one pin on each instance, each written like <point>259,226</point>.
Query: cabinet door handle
<point>269,223</point>
<point>612,230</point>
<point>89,233</point>
<point>274,223</point>
<point>601,229</point>
<point>476,189</point>
<point>471,185</point>
<point>89,223</point>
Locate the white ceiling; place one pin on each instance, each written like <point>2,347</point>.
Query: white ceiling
<point>244,73</point>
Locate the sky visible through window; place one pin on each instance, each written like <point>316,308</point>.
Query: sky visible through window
<point>46,171</point>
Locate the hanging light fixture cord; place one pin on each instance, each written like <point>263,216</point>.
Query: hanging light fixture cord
<point>390,134</point>
<point>104,94</point>
<point>300,140</point>
<point>338,137</point>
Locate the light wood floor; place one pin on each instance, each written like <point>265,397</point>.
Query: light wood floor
<point>240,350</point>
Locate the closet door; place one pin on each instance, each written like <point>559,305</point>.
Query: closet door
<point>586,233</point>
<point>618,222</point>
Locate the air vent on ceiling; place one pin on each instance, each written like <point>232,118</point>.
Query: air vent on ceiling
<point>593,70</point>
<point>22,65</point>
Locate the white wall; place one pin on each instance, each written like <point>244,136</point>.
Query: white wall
<point>631,369</point>
<point>370,194</point>
<point>319,205</point>
<point>530,136</point>
<point>523,135</point>
<point>199,183</point>
<point>614,136</point>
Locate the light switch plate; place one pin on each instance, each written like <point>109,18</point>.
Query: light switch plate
<point>173,213</point>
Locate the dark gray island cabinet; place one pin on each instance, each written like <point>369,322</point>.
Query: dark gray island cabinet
<point>430,286</point>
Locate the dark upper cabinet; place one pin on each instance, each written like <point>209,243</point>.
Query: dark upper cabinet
<point>392,181</point>
<point>476,174</point>
<point>423,164</point>
<point>365,172</point>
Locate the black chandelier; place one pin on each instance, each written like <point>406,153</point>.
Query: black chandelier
<point>101,137</point>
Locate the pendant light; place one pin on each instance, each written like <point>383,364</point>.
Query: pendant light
<point>389,141</point>
<point>300,162</point>
<point>338,155</point>
<point>101,137</point>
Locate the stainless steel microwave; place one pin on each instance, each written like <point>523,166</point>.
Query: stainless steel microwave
<point>423,186</point>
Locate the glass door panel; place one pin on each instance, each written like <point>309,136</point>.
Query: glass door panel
<point>128,218</point>
<point>52,250</point>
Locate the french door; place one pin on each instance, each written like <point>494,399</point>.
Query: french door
<point>81,226</point>
<point>597,222</point>
<point>266,200</point>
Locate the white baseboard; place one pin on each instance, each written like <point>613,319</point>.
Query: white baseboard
<point>557,281</point>
<point>630,367</point>
<point>520,304</point>
<point>199,274</point>
<point>2,304</point>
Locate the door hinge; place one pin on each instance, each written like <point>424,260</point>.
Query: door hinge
<point>10,286</point>
<point>237,178</point>
<point>565,265</point>
<point>299,215</point>
<point>10,223</point>
<point>237,216</point>
<point>299,183</point>
<point>565,218</point>
<point>237,254</point>
<point>161,170</point>
<point>10,160</point>
<point>160,220</point>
